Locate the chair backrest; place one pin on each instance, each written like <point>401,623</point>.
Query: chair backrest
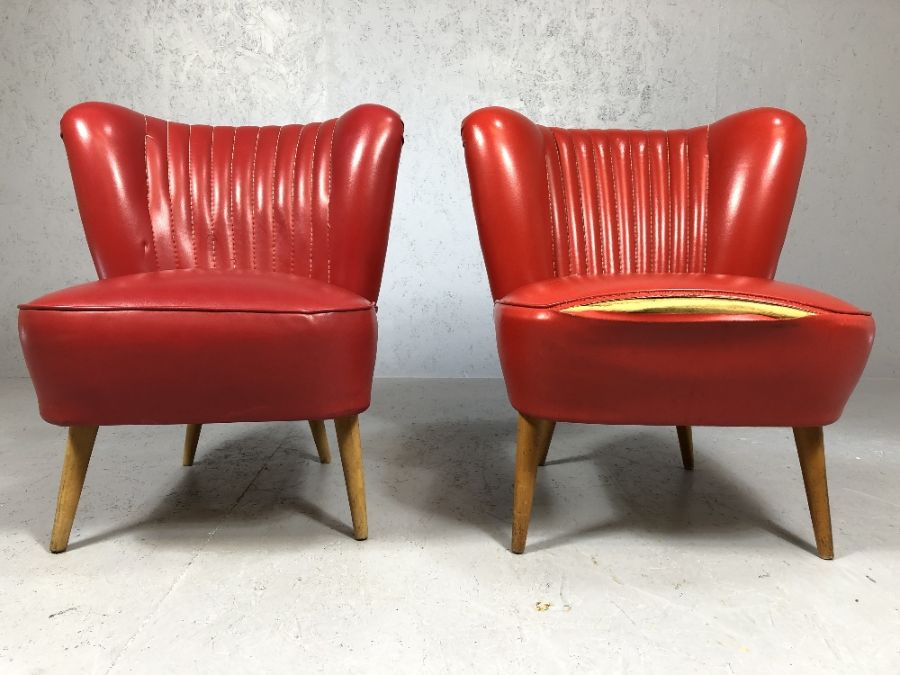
<point>314,199</point>
<point>555,202</point>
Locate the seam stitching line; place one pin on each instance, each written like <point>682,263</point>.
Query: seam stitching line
<point>618,230</point>
<point>670,225</point>
<point>328,208</point>
<point>272,206</point>
<point>231,198</point>
<point>253,200</point>
<point>149,208</point>
<point>706,208</point>
<point>191,193</point>
<point>599,218</point>
<point>688,239</point>
<point>171,206</point>
<point>294,195</point>
<point>651,208</point>
<point>550,207</point>
<point>565,201</point>
<point>633,199</point>
<point>312,197</point>
<point>211,226</point>
<point>581,202</point>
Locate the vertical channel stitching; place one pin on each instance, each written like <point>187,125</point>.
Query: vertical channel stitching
<point>230,197</point>
<point>634,241</point>
<point>706,207</point>
<point>552,217</point>
<point>618,229</point>
<point>599,218</point>
<point>171,207</point>
<point>651,211</point>
<point>670,225</point>
<point>211,226</point>
<point>312,183</point>
<point>191,194</point>
<point>565,200</point>
<point>253,200</point>
<point>272,234</point>
<point>328,208</point>
<point>688,240</point>
<point>149,208</point>
<point>581,202</point>
<point>293,196</point>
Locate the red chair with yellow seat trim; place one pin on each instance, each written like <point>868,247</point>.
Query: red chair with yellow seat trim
<point>632,274</point>
<point>239,269</point>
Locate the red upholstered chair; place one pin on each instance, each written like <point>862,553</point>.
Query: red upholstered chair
<point>632,273</point>
<point>239,269</point>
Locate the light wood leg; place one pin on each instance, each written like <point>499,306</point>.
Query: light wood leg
<point>321,438</point>
<point>191,438</point>
<point>528,449</point>
<point>545,436</point>
<point>350,447</point>
<point>79,445</point>
<point>686,443</point>
<point>811,450</point>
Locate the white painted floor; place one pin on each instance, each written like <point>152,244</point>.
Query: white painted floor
<point>244,563</point>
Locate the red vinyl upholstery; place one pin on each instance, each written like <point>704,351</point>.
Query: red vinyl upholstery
<point>566,213</point>
<point>697,369</point>
<point>207,346</point>
<point>587,234</point>
<point>307,199</point>
<point>239,269</point>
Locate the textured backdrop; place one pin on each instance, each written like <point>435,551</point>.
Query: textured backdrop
<point>644,63</point>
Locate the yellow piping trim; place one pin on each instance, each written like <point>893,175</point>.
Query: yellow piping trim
<point>693,305</point>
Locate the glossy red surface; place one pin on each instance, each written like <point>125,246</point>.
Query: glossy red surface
<point>568,217</point>
<point>308,199</point>
<point>702,369</point>
<point>204,291</point>
<point>239,269</point>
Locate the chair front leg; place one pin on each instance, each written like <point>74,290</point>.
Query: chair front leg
<point>79,446</point>
<point>811,451</point>
<point>529,437</point>
<point>350,447</point>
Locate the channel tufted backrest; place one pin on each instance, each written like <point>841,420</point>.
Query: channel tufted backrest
<point>313,200</point>
<point>556,202</point>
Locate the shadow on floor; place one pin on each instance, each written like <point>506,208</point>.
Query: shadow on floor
<point>278,460</point>
<point>598,480</point>
<point>634,472</point>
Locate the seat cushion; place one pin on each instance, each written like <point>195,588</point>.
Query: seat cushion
<point>196,346</point>
<point>680,349</point>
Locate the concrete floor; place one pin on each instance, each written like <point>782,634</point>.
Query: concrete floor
<point>244,563</point>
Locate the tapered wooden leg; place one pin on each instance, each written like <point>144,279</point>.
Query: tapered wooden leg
<point>811,450</point>
<point>528,452</point>
<point>545,436</point>
<point>321,438</point>
<point>350,447</point>
<point>686,443</point>
<point>79,445</point>
<point>191,438</point>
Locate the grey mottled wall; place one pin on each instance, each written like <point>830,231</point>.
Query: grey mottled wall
<point>620,62</point>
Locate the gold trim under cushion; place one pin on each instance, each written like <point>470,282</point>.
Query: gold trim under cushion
<point>692,305</point>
